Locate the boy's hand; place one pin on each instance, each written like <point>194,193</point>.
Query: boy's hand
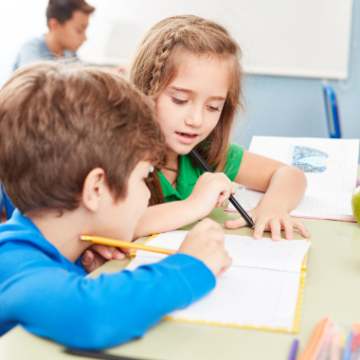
<point>97,255</point>
<point>206,243</point>
<point>271,217</point>
<point>210,190</point>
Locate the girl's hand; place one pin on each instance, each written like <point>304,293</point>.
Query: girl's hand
<point>210,190</point>
<point>271,217</point>
<point>97,255</point>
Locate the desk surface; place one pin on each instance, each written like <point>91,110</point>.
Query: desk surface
<point>332,289</point>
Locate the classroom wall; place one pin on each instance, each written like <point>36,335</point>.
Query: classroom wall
<point>278,106</point>
<point>283,106</point>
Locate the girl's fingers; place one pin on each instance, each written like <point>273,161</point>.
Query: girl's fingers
<point>301,227</point>
<point>223,198</point>
<point>235,224</point>
<point>275,230</point>
<point>260,225</point>
<point>288,228</point>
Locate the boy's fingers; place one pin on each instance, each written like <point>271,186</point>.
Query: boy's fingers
<point>127,251</point>
<point>110,252</point>
<point>103,250</point>
<point>91,261</point>
<point>87,258</point>
<point>217,235</point>
<point>118,255</point>
<point>275,230</point>
<point>207,224</point>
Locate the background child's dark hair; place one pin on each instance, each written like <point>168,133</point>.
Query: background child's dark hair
<point>62,10</point>
<point>156,62</point>
<point>58,122</point>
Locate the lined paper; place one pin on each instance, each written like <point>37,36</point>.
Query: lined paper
<point>330,166</point>
<point>260,289</point>
<point>248,297</point>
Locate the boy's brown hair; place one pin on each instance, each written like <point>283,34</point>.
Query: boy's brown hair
<point>62,10</point>
<point>59,122</point>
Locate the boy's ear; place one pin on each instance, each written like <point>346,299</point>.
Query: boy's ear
<point>53,24</point>
<point>93,189</point>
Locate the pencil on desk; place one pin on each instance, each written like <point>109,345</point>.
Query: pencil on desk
<point>125,244</point>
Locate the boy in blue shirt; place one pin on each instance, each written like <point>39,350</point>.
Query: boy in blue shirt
<point>67,21</point>
<point>76,146</point>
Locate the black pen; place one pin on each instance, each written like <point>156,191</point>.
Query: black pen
<point>237,206</point>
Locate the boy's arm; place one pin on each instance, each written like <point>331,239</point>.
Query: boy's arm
<point>103,312</point>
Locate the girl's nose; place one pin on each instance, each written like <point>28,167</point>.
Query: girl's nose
<point>195,119</point>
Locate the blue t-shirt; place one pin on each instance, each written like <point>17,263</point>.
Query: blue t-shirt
<point>50,296</point>
<point>37,49</point>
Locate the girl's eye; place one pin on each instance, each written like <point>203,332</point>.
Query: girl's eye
<point>178,101</point>
<point>212,108</point>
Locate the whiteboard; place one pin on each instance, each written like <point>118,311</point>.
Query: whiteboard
<point>305,38</point>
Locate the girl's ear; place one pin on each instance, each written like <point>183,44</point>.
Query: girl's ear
<point>93,189</point>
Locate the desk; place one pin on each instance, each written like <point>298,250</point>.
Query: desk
<point>332,289</point>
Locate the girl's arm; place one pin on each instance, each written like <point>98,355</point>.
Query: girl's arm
<point>209,191</point>
<point>284,187</point>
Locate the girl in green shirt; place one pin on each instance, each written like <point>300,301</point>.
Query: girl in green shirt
<point>191,68</point>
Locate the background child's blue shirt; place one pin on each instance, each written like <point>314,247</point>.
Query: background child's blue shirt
<point>50,296</point>
<point>9,207</point>
<point>37,49</point>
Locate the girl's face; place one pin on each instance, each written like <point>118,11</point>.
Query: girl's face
<point>189,108</point>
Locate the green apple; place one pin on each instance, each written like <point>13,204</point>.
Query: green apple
<point>355,202</point>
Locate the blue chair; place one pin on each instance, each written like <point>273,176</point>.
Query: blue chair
<point>5,201</point>
<point>1,202</point>
<point>332,111</point>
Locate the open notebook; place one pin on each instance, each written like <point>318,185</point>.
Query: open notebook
<point>262,289</point>
<point>330,166</point>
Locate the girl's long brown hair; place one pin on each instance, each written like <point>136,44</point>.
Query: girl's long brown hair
<point>155,64</point>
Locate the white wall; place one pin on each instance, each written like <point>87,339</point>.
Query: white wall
<point>20,20</point>
<point>306,38</point>
<point>278,37</point>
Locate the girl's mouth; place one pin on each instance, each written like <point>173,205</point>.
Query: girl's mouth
<point>186,138</point>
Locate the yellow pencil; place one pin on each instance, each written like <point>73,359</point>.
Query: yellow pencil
<point>125,244</point>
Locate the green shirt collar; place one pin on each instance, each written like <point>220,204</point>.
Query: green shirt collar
<point>188,175</point>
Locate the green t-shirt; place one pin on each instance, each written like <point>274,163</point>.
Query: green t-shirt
<point>188,174</point>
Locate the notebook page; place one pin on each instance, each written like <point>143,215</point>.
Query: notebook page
<point>330,166</point>
<point>285,255</point>
<point>247,296</point>
<point>332,205</point>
